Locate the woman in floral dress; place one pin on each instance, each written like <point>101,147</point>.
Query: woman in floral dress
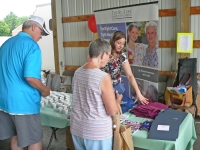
<point>118,61</point>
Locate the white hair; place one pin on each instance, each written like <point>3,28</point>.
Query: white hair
<point>151,23</point>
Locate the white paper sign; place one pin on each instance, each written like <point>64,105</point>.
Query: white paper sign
<point>185,42</point>
<point>163,127</point>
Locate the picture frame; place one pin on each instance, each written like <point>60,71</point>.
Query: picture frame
<point>185,42</point>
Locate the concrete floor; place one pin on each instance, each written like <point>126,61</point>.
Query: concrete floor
<point>60,143</point>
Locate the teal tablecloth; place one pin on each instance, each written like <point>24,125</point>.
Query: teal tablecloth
<point>52,118</point>
<point>187,137</point>
<point>187,134</point>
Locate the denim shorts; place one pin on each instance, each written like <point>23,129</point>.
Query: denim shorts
<point>85,144</point>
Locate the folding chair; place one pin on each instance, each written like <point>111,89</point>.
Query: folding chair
<point>162,81</point>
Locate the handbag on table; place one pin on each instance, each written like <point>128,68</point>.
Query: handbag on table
<point>122,135</point>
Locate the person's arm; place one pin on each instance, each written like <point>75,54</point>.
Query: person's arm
<point>132,81</point>
<point>110,100</point>
<point>36,83</point>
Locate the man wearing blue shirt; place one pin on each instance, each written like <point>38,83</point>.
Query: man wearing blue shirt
<point>21,88</point>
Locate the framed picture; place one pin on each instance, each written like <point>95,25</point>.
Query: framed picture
<point>185,42</point>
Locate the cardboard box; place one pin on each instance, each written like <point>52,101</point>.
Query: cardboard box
<point>69,141</point>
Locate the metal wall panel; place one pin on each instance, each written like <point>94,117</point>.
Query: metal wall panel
<point>87,7</point>
<point>113,3</point>
<point>134,2</point>
<point>96,4</point>
<point>167,32</point>
<point>105,4</point>
<point>77,31</point>
<point>194,27</point>
<point>124,3</point>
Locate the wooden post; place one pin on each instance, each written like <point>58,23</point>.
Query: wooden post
<point>185,20</point>
<point>55,39</point>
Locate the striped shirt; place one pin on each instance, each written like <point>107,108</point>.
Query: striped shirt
<point>88,118</point>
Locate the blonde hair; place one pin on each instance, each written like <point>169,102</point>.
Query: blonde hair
<point>130,27</point>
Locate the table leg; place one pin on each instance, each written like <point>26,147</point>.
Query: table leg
<point>52,134</point>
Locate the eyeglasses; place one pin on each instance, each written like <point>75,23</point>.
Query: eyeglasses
<point>42,32</point>
<point>110,56</point>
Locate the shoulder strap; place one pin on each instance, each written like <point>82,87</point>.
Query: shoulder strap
<point>185,76</point>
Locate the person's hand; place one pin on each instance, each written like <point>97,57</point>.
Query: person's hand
<point>46,91</point>
<point>118,97</point>
<point>142,99</point>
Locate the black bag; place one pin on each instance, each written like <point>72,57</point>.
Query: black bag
<point>186,65</point>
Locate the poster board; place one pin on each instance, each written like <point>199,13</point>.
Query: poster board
<point>145,17</point>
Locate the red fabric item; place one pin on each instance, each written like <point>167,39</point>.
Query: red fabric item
<point>150,110</point>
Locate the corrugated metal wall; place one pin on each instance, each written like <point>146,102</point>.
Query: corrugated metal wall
<point>167,32</point>
<point>80,32</point>
<point>195,28</point>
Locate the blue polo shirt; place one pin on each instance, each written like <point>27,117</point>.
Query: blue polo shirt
<point>20,57</point>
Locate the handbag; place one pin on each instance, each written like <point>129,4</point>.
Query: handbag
<point>185,79</point>
<point>188,65</point>
<point>122,135</point>
<point>182,99</point>
<point>179,98</point>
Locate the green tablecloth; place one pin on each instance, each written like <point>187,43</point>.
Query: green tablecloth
<point>187,137</point>
<point>53,118</point>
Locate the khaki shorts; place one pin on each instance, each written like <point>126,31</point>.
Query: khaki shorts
<point>27,128</point>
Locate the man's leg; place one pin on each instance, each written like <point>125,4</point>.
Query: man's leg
<point>29,131</point>
<point>8,130</point>
<point>13,144</point>
<point>35,146</point>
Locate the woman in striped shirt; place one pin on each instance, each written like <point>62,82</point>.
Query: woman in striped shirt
<point>94,101</point>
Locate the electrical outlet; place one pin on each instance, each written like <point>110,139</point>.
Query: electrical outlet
<point>61,63</point>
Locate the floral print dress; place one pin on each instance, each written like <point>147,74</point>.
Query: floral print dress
<point>114,67</point>
<point>151,58</point>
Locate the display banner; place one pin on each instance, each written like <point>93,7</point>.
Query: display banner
<point>140,24</point>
